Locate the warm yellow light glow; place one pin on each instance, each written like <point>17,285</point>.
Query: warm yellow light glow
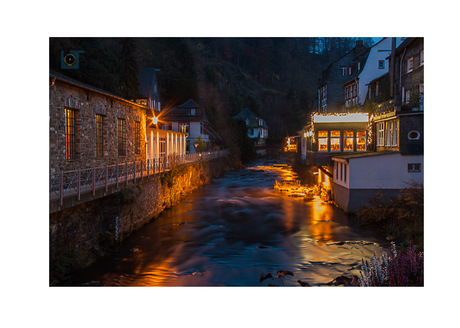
<point>341,118</point>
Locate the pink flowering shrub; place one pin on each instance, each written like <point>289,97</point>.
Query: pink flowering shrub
<point>398,268</point>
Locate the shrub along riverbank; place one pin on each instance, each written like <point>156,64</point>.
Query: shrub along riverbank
<point>400,218</point>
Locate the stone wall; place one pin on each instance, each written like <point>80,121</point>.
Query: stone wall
<point>81,234</point>
<point>87,103</point>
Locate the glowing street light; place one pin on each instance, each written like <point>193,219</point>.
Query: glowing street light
<point>155,120</point>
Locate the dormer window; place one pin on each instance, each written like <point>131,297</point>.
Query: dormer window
<point>192,111</point>
<point>247,121</point>
<point>349,70</point>
<point>344,71</point>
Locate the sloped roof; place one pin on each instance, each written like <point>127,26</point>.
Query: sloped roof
<point>247,114</point>
<point>189,104</point>
<point>244,114</point>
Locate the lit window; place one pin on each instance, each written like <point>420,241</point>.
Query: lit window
<point>395,133</point>
<point>414,167</point>
<point>70,134</point>
<point>335,140</point>
<point>388,127</point>
<point>381,64</point>
<point>360,140</point>
<point>322,140</point>
<point>380,134</point>
<point>348,140</point>
<point>184,127</point>
<point>410,64</point>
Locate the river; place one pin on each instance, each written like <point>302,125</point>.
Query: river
<point>233,230</point>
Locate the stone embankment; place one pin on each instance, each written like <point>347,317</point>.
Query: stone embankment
<point>81,234</point>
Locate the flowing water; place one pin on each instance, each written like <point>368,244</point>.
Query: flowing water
<point>231,231</point>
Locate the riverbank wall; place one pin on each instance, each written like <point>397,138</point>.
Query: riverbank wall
<point>83,233</point>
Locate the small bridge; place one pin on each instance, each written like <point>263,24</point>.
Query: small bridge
<point>70,188</point>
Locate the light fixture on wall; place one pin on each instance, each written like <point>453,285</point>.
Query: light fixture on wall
<point>155,120</point>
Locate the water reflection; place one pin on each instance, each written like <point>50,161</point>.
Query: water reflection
<point>229,232</point>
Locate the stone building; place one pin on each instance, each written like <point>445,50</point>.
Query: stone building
<point>90,127</point>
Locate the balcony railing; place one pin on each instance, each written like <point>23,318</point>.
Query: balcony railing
<point>73,183</point>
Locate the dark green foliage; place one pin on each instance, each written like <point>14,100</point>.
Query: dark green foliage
<point>400,218</point>
<point>129,193</point>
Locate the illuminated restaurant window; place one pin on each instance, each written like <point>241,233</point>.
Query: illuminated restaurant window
<point>348,140</point>
<point>322,140</point>
<point>335,140</point>
<point>360,140</point>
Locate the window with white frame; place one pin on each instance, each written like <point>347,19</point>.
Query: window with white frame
<point>344,71</point>
<point>192,111</point>
<point>380,134</point>
<point>407,96</point>
<point>410,64</point>
<point>395,133</point>
<point>414,167</point>
<point>388,132</point>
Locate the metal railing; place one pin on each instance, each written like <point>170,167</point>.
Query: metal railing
<point>75,182</point>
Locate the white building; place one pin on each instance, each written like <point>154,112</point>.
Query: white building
<point>256,126</point>
<point>377,64</point>
<point>359,177</point>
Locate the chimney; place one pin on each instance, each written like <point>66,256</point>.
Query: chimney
<point>392,68</point>
<point>359,48</point>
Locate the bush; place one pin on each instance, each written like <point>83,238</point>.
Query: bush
<point>400,218</point>
<point>400,268</point>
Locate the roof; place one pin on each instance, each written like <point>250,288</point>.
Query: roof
<point>74,82</point>
<point>182,113</point>
<point>244,114</point>
<point>189,104</point>
<point>148,83</point>
<point>362,155</point>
